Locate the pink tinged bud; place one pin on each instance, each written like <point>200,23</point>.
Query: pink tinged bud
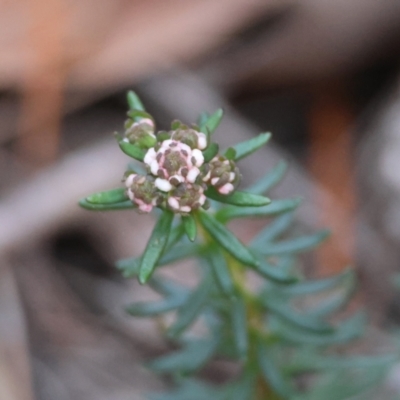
<point>192,174</point>
<point>226,189</point>
<point>147,121</point>
<point>185,209</point>
<point>146,208</point>
<point>129,180</point>
<point>173,203</point>
<point>176,180</point>
<point>202,199</point>
<point>207,176</point>
<point>154,166</point>
<point>163,185</point>
<point>214,181</point>
<point>232,176</point>
<point>202,141</point>
<point>150,156</point>
<point>131,195</point>
<point>198,157</point>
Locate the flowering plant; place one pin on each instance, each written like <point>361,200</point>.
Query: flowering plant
<point>281,344</point>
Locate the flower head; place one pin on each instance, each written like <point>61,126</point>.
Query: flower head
<point>141,133</point>
<point>222,173</point>
<point>186,198</point>
<point>173,163</point>
<point>142,191</point>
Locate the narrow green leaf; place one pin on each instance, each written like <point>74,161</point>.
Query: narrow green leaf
<point>271,373</point>
<point>227,239</point>
<point>243,149</point>
<point>137,115</point>
<point>346,331</point>
<point>191,358</point>
<point>274,273</point>
<point>125,205</point>
<point>310,361</point>
<point>191,309</point>
<point>130,266</point>
<point>203,117</point>
<point>134,101</point>
<point>300,320</point>
<point>153,308</point>
<point>179,252</point>
<point>272,231</point>
<point>155,245</point>
<point>230,153</point>
<point>335,302</point>
<point>211,124</point>
<point>275,208</point>
<point>167,287</point>
<point>238,198</point>
<point>296,245</point>
<point>210,152</point>
<point>190,227</point>
<point>191,390</point>
<point>315,286</point>
<point>270,180</point>
<point>108,197</point>
<point>221,271</point>
<point>239,327</point>
<point>131,150</point>
<point>244,388</point>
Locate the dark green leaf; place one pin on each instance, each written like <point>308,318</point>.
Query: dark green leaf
<point>108,197</point>
<point>227,239</point>
<point>271,373</point>
<point>106,207</point>
<point>191,309</point>
<point>210,152</point>
<point>221,271</point>
<point>272,231</point>
<point>190,227</point>
<point>131,150</point>
<point>296,245</point>
<point>275,208</point>
<point>230,153</point>
<point>243,149</point>
<point>239,327</point>
<point>155,246</point>
<point>133,101</point>
<point>270,180</point>
<point>300,320</point>
<point>192,357</point>
<point>238,198</point>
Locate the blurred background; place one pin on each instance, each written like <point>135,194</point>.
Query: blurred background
<point>322,76</point>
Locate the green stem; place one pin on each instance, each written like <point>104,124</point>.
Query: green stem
<point>254,313</point>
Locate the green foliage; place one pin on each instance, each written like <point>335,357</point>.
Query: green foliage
<point>274,333</point>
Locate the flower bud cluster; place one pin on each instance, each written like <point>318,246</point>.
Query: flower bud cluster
<point>140,133</point>
<point>223,174</point>
<point>177,175</point>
